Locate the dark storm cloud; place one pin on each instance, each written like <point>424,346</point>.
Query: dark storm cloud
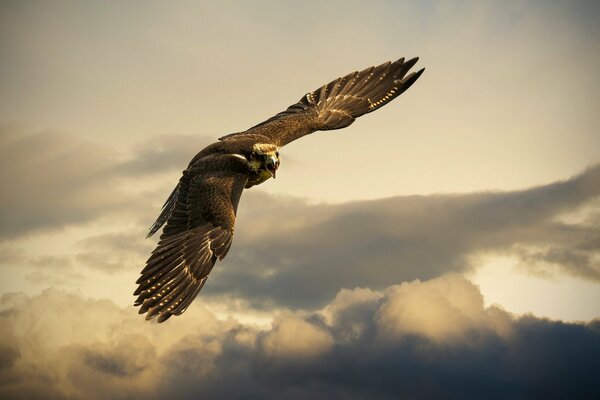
<point>299,255</point>
<point>575,250</point>
<point>537,364</point>
<point>51,179</point>
<point>128,357</point>
<point>431,339</point>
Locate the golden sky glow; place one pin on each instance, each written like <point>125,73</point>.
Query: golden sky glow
<point>449,215</point>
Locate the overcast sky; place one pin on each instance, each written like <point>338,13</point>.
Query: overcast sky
<point>448,243</point>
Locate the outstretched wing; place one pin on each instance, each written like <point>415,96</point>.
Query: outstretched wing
<point>337,104</point>
<point>198,231</point>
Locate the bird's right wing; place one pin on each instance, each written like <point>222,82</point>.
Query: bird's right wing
<point>198,231</point>
<point>336,104</point>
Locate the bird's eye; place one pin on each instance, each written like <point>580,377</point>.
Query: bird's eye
<point>277,153</point>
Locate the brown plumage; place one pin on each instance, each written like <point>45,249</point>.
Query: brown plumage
<point>200,212</point>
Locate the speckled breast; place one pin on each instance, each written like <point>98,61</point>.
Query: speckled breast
<point>258,178</point>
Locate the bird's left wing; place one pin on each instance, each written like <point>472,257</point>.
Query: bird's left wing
<point>198,231</point>
<point>336,104</point>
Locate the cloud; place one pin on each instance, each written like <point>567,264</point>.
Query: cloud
<point>426,339</point>
<point>53,179</point>
<point>296,254</point>
<point>443,309</point>
<point>114,251</point>
<point>163,153</point>
<point>286,252</point>
<point>294,337</point>
<point>69,346</point>
<point>53,271</point>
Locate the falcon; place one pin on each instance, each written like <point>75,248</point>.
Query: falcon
<point>199,215</point>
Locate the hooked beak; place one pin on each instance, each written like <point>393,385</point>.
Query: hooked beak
<point>272,164</point>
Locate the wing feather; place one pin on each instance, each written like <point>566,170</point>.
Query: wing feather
<point>198,232</point>
<point>336,104</point>
<point>199,215</point>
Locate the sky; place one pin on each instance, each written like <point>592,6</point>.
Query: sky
<point>446,245</point>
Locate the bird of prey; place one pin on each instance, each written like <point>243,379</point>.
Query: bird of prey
<point>199,215</point>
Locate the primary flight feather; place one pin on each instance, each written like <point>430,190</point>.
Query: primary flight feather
<point>199,215</point>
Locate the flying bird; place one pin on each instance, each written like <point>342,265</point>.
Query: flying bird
<point>199,215</point>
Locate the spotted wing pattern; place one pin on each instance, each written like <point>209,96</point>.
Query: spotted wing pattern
<point>199,215</point>
<point>338,103</point>
<point>198,231</point>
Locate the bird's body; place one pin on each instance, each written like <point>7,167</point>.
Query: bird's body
<point>199,215</point>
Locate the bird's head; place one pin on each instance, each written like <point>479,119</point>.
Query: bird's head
<point>265,158</point>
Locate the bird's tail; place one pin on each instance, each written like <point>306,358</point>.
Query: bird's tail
<point>343,100</point>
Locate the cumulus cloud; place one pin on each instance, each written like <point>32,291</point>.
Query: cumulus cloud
<point>297,254</point>
<point>426,339</point>
<point>294,337</point>
<point>443,309</point>
<point>86,348</point>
